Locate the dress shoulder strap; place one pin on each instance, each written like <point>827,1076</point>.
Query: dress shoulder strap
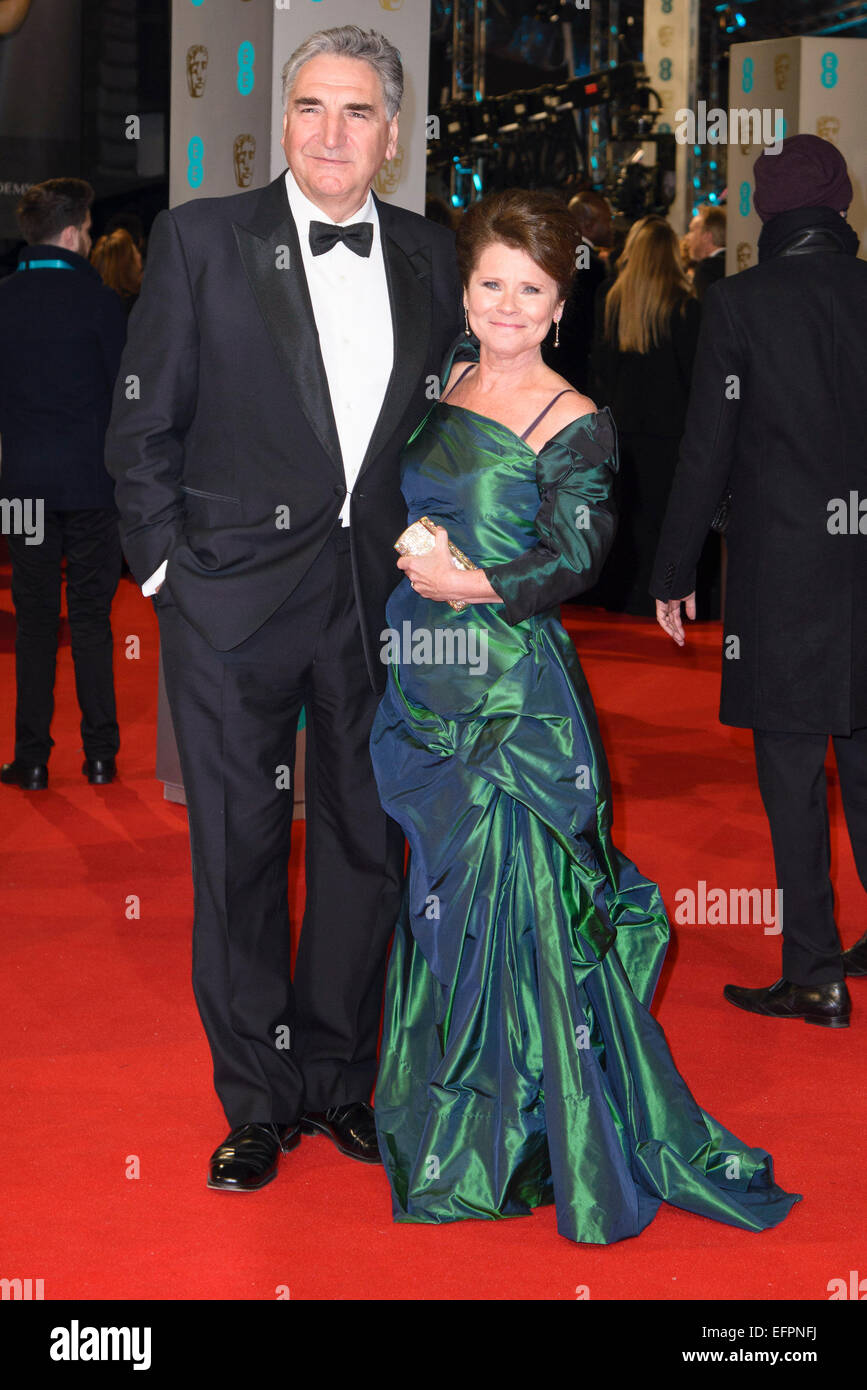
<point>539,418</point>
<point>458,382</point>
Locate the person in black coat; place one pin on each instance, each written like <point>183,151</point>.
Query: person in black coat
<point>288,340</point>
<point>574,338</point>
<point>61,337</point>
<point>645,336</point>
<point>777,421</point>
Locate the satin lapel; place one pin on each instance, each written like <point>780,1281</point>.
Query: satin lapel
<point>284,303</point>
<point>408,273</point>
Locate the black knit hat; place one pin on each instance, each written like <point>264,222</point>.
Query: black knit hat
<point>806,172</point>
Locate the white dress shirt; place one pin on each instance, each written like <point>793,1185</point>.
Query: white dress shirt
<point>352,310</point>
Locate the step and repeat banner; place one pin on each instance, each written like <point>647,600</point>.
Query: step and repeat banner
<point>226,102</point>
<point>40,98</point>
<point>220,119</point>
<point>793,86</point>
<point>670,56</point>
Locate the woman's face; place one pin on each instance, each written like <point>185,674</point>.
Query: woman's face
<point>510,301</point>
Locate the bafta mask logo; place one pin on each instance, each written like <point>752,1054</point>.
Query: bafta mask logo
<point>828,127</point>
<point>244,158</point>
<point>197,68</point>
<point>782,64</point>
<point>666,34</point>
<point>744,254</point>
<point>390,175</point>
<point>391,4</point>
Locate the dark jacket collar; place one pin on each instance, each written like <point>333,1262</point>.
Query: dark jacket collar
<point>803,231</point>
<point>47,252</point>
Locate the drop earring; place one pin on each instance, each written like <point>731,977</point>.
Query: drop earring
<point>467,320</point>
<point>557,335</point>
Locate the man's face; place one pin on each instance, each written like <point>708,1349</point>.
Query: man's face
<point>698,240</point>
<point>336,134</point>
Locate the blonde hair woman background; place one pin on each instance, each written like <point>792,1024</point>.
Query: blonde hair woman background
<point>647,325</point>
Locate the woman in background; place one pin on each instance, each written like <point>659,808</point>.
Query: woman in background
<point>118,260</point>
<point>647,325</point>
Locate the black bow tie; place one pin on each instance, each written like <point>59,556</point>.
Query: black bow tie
<point>358,237</point>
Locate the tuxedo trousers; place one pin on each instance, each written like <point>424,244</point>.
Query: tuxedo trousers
<point>791,770</point>
<point>89,541</point>
<point>283,1045</point>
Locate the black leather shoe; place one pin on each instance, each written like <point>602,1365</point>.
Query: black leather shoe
<point>32,778</point>
<point>247,1158</point>
<point>855,959</point>
<point>827,1005</point>
<point>351,1127</point>
<point>99,771</point>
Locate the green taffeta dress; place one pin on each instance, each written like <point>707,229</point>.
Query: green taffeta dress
<point>520,1064</point>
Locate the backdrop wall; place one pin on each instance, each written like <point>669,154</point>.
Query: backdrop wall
<point>819,86</point>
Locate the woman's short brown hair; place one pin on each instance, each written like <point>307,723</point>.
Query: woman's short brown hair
<point>537,223</point>
<point>118,261</point>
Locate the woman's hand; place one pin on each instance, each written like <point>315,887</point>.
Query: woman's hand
<point>434,576</point>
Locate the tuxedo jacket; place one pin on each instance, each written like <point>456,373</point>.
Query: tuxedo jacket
<point>222,440</point>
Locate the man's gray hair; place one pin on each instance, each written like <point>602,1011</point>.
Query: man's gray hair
<point>351,41</point>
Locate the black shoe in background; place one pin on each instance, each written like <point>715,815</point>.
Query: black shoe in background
<point>99,771</point>
<point>30,777</point>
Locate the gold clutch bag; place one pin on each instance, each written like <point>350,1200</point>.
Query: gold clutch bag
<point>420,539</point>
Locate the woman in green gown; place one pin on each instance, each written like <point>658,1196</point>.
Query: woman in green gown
<point>520,1064</point>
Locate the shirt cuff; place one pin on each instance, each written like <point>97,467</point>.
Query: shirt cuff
<point>151,585</point>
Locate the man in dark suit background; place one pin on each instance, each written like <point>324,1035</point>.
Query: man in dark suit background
<point>286,342</point>
<point>777,418</point>
<point>706,243</point>
<point>593,220</point>
<point>61,337</point>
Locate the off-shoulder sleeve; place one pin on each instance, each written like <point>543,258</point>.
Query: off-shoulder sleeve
<point>575,523</point>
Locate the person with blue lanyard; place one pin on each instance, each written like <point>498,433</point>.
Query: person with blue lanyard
<point>61,336</point>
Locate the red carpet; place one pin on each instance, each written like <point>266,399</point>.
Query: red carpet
<point>106,1069</point>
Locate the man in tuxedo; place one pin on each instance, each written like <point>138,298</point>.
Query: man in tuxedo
<point>284,343</point>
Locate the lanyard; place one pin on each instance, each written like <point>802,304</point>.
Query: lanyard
<point>43,265</point>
